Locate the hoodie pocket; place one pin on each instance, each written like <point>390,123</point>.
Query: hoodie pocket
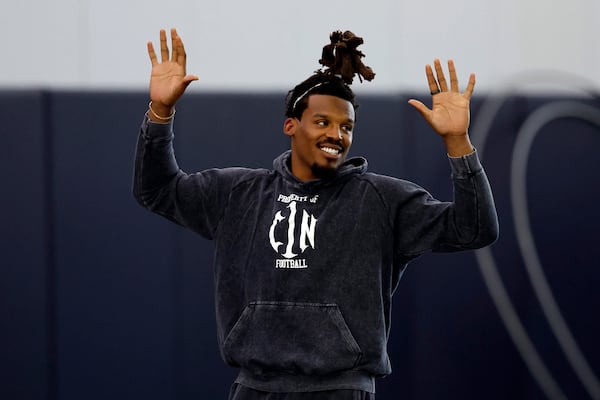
<point>304,338</point>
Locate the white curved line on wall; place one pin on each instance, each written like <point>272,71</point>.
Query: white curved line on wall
<point>529,130</point>
<point>479,132</point>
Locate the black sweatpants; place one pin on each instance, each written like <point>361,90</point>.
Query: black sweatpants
<point>239,392</point>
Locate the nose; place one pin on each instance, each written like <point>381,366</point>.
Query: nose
<point>335,132</point>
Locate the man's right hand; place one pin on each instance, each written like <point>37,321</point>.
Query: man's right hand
<point>168,80</point>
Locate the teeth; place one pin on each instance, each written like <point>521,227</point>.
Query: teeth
<point>331,151</point>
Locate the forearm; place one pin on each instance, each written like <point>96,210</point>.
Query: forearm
<point>155,166</point>
<point>474,212</point>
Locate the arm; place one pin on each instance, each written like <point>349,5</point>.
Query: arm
<point>470,221</point>
<point>422,223</point>
<point>155,166</point>
<point>472,214</point>
<point>158,183</point>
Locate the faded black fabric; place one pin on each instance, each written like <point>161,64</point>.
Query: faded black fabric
<point>239,392</point>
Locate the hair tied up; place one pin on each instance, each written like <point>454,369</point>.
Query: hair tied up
<point>341,57</point>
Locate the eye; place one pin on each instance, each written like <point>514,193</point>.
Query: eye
<point>347,128</point>
<point>322,122</point>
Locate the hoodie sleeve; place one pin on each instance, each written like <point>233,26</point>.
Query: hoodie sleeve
<point>421,223</point>
<point>195,201</point>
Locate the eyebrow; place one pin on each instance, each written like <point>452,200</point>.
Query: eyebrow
<point>320,115</point>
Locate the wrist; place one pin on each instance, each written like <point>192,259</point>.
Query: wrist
<point>458,145</point>
<point>159,112</point>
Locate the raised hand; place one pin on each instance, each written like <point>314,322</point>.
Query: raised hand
<point>449,114</point>
<point>169,79</point>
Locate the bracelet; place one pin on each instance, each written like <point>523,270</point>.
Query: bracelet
<point>170,117</point>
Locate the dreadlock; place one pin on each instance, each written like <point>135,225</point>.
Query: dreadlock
<point>341,61</point>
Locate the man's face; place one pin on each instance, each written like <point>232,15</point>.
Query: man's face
<point>322,138</point>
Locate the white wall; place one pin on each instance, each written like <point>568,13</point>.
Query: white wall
<point>273,44</point>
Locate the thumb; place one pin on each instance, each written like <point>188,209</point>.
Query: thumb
<point>189,79</point>
<point>421,108</point>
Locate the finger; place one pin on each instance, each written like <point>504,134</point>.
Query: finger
<point>433,86</point>
<point>421,108</point>
<point>174,47</point>
<point>181,55</point>
<point>164,50</point>
<point>440,75</point>
<point>470,86</point>
<point>453,77</point>
<point>152,54</point>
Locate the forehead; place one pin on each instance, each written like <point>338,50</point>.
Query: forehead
<point>333,106</point>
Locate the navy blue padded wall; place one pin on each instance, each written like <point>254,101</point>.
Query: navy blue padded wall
<point>562,185</point>
<point>25,248</point>
<point>114,267</point>
<point>101,299</point>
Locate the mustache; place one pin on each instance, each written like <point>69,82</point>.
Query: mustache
<point>334,142</point>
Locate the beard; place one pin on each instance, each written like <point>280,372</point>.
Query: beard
<point>324,173</point>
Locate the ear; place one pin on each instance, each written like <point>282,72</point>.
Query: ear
<point>289,126</point>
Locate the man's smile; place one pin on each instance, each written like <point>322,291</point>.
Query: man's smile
<point>335,150</point>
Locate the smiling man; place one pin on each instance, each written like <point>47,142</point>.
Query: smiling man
<point>309,254</point>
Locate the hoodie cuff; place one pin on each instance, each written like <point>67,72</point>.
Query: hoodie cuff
<point>157,131</point>
<point>466,166</point>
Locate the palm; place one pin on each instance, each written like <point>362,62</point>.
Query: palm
<point>166,82</point>
<point>449,113</point>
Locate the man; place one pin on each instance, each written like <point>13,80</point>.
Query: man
<point>309,254</point>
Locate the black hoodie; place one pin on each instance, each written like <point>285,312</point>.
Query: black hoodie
<point>305,271</point>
